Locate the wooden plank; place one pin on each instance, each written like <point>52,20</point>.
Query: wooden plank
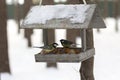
<point>45,36</point>
<point>86,70</point>
<point>49,34</point>
<point>83,38</point>
<point>97,20</point>
<point>63,23</point>
<point>65,57</point>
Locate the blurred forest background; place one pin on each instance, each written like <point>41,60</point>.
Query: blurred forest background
<point>17,10</point>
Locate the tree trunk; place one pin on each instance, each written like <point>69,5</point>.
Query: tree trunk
<point>86,70</point>
<point>17,15</point>
<point>116,12</point>
<point>4,61</point>
<point>28,32</point>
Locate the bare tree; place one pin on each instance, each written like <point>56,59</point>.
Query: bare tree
<point>18,14</point>
<point>28,32</point>
<point>4,61</point>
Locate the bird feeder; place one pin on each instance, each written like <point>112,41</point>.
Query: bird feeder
<point>79,16</point>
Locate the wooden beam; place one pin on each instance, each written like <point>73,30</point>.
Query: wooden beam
<point>72,2</point>
<point>72,34</point>
<point>86,70</point>
<point>49,36</point>
<point>45,36</point>
<point>83,39</point>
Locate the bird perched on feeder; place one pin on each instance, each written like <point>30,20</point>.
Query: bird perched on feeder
<point>48,48</point>
<point>67,44</point>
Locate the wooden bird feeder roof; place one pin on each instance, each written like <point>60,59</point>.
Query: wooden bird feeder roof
<point>63,17</point>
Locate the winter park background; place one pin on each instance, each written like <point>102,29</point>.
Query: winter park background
<point>24,67</point>
<point>23,64</point>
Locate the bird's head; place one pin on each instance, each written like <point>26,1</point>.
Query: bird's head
<point>62,40</point>
<point>55,45</point>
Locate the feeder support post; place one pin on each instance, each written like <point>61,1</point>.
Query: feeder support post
<point>86,70</point>
<point>83,39</point>
<point>45,36</point>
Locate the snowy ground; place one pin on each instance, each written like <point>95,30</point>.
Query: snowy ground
<point>24,67</point>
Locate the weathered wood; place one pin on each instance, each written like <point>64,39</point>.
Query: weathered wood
<point>83,39</point>
<point>97,20</point>
<point>65,57</point>
<point>50,33</point>
<point>73,2</point>
<point>48,38</point>
<point>45,36</point>
<point>86,70</point>
<point>66,23</point>
<point>72,34</point>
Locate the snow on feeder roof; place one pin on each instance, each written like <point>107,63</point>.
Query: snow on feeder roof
<point>63,17</point>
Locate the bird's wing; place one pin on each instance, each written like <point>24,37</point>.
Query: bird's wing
<point>68,42</point>
<point>37,47</point>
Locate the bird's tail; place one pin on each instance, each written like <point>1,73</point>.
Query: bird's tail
<point>37,47</point>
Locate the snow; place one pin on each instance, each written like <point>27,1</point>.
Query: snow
<point>24,67</point>
<point>41,14</point>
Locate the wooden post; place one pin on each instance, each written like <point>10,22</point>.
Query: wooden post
<point>49,34</point>
<point>45,36</point>
<point>83,39</point>
<point>86,70</point>
<point>73,33</point>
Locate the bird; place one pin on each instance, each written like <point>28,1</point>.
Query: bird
<point>67,44</point>
<point>48,48</point>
